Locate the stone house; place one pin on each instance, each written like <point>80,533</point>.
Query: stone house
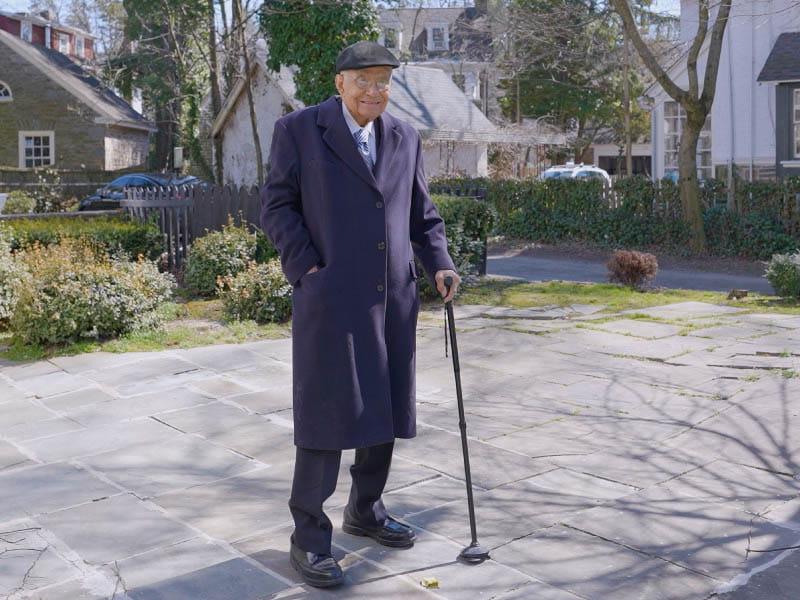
<point>53,113</point>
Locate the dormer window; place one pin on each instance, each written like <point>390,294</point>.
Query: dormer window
<point>438,40</point>
<point>26,31</point>
<point>390,38</point>
<point>5,93</point>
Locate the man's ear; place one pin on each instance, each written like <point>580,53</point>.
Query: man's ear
<point>337,81</point>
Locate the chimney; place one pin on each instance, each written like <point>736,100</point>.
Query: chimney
<point>48,14</point>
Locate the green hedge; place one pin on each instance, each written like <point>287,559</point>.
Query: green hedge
<point>112,233</point>
<point>641,214</point>
<point>467,223</point>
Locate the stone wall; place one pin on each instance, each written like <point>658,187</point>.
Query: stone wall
<point>126,148</point>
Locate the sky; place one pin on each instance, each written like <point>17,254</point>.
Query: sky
<point>672,6</point>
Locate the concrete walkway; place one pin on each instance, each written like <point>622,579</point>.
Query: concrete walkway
<point>548,268</point>
<point>612,460</point>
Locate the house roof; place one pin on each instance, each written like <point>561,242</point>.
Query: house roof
<point>40,20</point>
<point>428,100</point>
<point>783,62</point>
<point>283,80</point>
<point>109,108</point>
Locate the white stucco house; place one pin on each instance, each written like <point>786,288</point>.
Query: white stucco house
<point>455,132</point>
<point>741,129</point>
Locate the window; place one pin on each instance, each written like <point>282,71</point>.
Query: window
<point>796,123</point>
<point>63,43</point>
<point>5,93</point>
<point>36,149</point>
<point>26,31</point>
<point>79,47</point>
<point>390,38</point>
<point>674,118</point>
<point>437,38</point>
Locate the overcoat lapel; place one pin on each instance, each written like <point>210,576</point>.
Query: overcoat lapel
<point>390,140</point>
<point>337,137</point>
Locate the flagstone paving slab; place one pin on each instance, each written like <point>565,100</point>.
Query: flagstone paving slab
<point>46,488</point>
<point>196,568</point>
<point>615,459</point>
<point>114,528</point>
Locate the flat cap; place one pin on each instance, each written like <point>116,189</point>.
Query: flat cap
<point>365,54</point>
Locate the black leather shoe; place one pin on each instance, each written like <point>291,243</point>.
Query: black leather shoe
<point>318,570</point>
<point>392,533</point>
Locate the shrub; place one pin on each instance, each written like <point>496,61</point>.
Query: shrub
<point>783,274</point>
<point>218,254</point>
<point>114,234</point>
<point>12,276</point>
<point>76,291</point>
<point>260,292</point>
<point>632,268</point>
<point>468,221</point>
<point>49,193</point>
<point>18,202</point>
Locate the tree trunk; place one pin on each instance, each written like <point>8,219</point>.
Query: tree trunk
<point>689,186</point>
<point>216,97</point>
<point>249,89</point>
<point>627,106</point>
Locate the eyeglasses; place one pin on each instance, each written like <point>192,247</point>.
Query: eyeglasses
<point>381,85</point>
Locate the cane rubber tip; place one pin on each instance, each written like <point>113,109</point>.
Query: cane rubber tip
<point>474,554</point>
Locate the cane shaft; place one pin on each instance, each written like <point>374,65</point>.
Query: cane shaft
<point>462,423</point>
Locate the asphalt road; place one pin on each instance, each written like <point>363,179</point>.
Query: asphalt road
<point>534,268</point>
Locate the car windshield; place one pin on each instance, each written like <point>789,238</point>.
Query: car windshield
<point>557,175</point>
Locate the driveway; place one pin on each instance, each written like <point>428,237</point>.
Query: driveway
<point>547,266</point>
<point>611,459</point>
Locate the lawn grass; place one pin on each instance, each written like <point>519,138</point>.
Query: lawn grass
<point>615,298</point>
<point>199,322</point>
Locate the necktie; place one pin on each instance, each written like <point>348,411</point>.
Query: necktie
<point>362,137</point>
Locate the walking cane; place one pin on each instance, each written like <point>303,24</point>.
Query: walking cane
<point>473,553</point>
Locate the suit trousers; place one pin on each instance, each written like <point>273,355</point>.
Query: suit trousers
<point>315,475</point>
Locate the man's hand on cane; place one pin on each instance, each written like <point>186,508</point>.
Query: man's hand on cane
<point>439,277</point>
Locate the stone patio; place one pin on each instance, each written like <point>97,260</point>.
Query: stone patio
<point>646,458</point>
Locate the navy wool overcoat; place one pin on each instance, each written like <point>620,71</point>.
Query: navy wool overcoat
<point>354,320</point>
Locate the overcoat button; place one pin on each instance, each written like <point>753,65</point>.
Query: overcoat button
<point>381,245</point>
<point>379,204</point>
<point>380,287</point>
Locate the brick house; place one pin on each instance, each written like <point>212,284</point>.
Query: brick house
<point>52,112</point>
<point>42,30</point>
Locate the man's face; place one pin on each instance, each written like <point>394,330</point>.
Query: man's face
<point>365,92</point>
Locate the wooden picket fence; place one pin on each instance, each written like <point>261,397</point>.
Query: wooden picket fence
<point>186,213</point>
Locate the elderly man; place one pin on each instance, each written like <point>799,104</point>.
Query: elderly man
<point>347,206</point>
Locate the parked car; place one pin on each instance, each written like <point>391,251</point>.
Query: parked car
<point>108,197</point>
<point>573,171</point>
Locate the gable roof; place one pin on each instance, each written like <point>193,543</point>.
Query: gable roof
<point>109,108</point>
<point>783,62</point>
<point>430,102</point>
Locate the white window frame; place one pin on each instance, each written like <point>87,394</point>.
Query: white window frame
<point>398,39</point>
<point>63,39</point>
<point>26,27</point>
<point>796,122</point>
<point>32,133</point>
<point>4,87</point>
<point>80,46</point>
<point>446,39</point>
<point>704,171</point>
